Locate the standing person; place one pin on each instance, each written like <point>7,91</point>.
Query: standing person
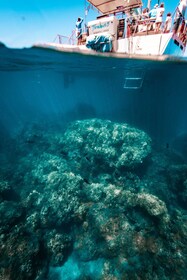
<point>79,30</point>
<point>145,13</point>
<point>180,12</point>
<point>159,15</point>
<point>152,16</point>
<point>183,35</point>
<point>168,22</point>
<point>182,7</point>
<point>153,12</point>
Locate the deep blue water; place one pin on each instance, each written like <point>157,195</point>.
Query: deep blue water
<point>41,92</point>
<point>38,83</point>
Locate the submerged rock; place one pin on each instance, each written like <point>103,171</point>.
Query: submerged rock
<point>19,256</point>
<point>92,206</point>
<point>57,247</point>
<point>105,143</point>
<point>10,215</point>
<point>153,205</point>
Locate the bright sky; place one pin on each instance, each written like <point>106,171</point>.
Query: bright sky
<point>24,22</point>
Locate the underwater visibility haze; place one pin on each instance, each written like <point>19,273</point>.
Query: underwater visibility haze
<point>93,167</point>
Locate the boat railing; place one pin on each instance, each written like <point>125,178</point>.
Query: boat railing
<point>140,25</point>
<point>70,40</point>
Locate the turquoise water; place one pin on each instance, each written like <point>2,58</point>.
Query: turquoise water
<point>38,83</point>
<point>93,171</point>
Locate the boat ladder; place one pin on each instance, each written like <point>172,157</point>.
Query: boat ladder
<point>133,79</point>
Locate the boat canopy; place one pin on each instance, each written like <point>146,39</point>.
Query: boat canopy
<point>115,6</point>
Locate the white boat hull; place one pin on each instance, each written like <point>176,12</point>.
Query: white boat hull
<point>157,44</point>
<point>155,47</point>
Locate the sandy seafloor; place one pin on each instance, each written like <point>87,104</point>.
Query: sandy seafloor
<point>93,167</point>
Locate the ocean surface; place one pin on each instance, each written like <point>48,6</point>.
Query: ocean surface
<point>93,167</point>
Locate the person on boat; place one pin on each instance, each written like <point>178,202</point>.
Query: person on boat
<point>168,23</point>
<point>131,23</point>
<point>153,12</point>
<point>180,12</point>
<point>79,30</point>
<point>152,16</point>
<point>183,33</point>
<point>182,7</point>
<point>143,23</point>
<point>145,13</point>
<point>159,15</point>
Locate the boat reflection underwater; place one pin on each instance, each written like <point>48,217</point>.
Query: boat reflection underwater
<point>93,174</point>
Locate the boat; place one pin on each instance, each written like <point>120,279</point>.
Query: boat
<point>125,29</point>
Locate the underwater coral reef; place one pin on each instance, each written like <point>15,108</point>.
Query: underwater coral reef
<point>93,200</point>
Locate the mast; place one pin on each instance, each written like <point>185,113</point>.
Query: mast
<point>85,14</point>
<point>149,4</point>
